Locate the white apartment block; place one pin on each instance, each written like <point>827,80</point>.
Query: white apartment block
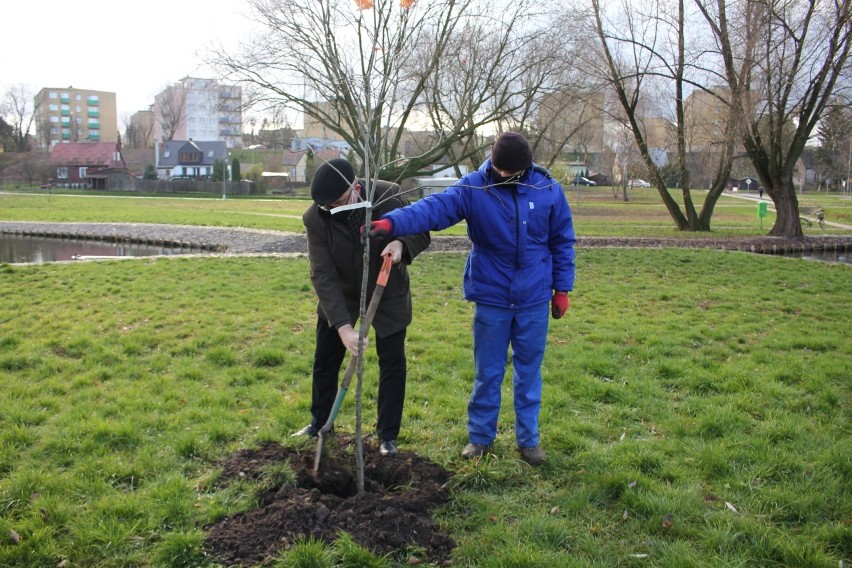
<point>199,109</point>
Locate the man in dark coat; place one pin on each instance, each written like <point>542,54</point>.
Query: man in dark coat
<point>336,252</point>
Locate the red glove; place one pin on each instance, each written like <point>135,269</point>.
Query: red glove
<point>559,304</point>
<point>381,228</point>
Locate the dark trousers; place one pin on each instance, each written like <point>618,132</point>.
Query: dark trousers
<point>328,358</point>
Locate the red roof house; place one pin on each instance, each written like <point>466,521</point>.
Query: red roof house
<point>86,164</point>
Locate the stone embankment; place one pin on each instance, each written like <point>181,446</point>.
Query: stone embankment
<point>253,241</point>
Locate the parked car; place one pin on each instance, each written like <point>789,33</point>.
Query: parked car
<point>638,183</point>
<point>580,180</point>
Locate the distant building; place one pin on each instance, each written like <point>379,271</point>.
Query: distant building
<point>141,131</point>
<point>85,164</point>
<point>706,116</point>
<point>295,165</point>
<point>576,119</point>
<point>314,129</point>
<point>188,158</point>
<point>74,115</point>
<point>199,109</point>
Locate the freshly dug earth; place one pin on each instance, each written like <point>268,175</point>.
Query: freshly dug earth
<point>392,515</point>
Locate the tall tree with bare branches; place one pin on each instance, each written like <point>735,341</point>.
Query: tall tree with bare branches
<point>19,109</point>
<point>169,110</point>
<point>457,68</point>
<point>782,61</point>
<point>644,54</point>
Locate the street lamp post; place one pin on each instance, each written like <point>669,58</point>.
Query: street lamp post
<point>224,176</point>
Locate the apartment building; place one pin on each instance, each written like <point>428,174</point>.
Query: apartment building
<point>74,115</point>
<point>706,117</point>
<point>576,118</point>
<point>140,133</point>
<point>199,109</point>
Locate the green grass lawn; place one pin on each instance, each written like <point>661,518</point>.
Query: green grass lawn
<point>696,410</point>
<point>597,212</point>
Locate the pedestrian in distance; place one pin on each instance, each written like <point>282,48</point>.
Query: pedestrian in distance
<point>518,272</point>
<point>336,247</point>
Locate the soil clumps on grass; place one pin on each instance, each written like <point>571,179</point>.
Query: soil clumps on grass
<point>391,517</point>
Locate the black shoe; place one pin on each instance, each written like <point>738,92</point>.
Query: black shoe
<point>388,448</point>
<point>472,451</point>
<point>533,456</point>
<point>312,431</point>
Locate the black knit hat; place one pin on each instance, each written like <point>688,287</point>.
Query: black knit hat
<point>331,180</point>
<point>511,152</point>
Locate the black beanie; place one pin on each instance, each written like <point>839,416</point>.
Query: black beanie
<point>511,152</point>
<point>331,180</point>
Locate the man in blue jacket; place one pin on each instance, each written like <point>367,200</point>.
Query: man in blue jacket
<point>521,264</point>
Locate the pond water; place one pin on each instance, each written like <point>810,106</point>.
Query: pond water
<point>16,249</point>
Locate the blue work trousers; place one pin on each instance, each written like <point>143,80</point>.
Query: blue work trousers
<point>494,331</point>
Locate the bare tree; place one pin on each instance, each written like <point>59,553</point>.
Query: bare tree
<point>19,109</point>
<point>374,76</point>
<point>46,133</point>
<point>782,60</point>
<point>6,135</point>
<point>370,73</point>
<point>835,143</point>
<point>139,129</point>
<point>169,110</point>
<point>646,58</point>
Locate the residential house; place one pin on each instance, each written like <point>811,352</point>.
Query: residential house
<point>295,165</point>
<point>74,115</point>
<point>85,164</point>
<point>188,158</point>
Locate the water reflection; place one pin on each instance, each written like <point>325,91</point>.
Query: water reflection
<point>23,249</point>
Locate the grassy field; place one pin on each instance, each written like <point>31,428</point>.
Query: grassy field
<point>696,410</point>
<point>597,212</point>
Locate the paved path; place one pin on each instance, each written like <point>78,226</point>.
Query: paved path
<point>758,199</point>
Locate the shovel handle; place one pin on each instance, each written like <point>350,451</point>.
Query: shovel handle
<point>381,282</point>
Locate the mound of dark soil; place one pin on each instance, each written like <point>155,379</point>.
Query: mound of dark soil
<point>391,516</point>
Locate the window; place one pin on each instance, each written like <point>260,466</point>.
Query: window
<point>166,154</point>
<point>189,157</point>
<point>53,106</point>
<point>61,173</point>
<point>78,97</point>
<point>83,172</point>
<point>52,95</point>
<point>54,119</point>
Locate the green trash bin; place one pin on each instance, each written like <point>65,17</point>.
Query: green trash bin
<point>762,211</point>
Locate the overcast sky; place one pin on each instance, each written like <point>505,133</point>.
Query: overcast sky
<point>132,49</point>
